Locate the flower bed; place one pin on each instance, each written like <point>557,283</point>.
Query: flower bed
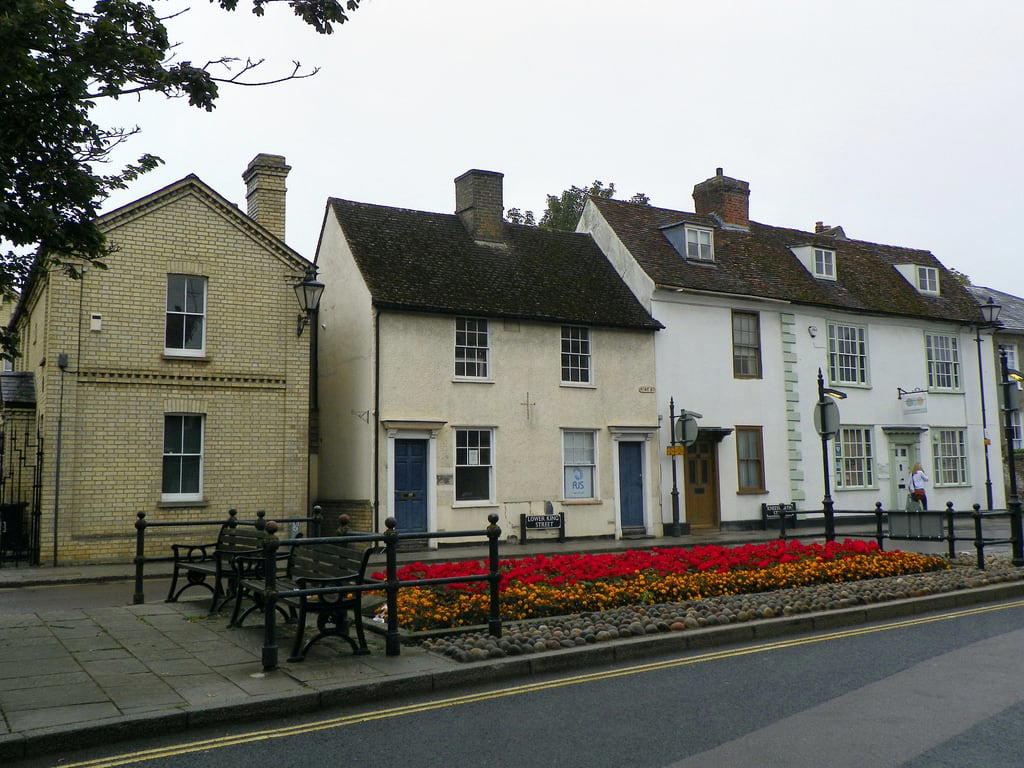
<point>535,587</point>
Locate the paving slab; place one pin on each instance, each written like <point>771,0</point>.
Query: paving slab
<point>32,719</point>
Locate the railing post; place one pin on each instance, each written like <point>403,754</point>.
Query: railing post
<point>979,542</point>
<point>232,518</point>
<point>343,523</point>
<point>261,522</point>
<point>950,530</point>
<point>317,526</point>
<point>782,524</point>
<point>270,605</point>
<point>392,645</point>
<point>879,531</point>
<point>493,576</point>
<point>139,597</point>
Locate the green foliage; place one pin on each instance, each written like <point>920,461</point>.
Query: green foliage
<point>563,211</point>
<point>56,60</point>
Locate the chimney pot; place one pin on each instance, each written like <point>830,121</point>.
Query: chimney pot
<point>480,205</point>
<point>719,172</point>
<point>265,191</point>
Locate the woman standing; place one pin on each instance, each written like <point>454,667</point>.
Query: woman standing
<point>917,484</point>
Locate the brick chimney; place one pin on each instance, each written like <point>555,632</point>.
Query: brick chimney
<point>821,228</point>
<point>478,202</point>
<point>725,197</point>
<point>265,191</point>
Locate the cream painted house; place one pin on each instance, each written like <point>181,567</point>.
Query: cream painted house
<point>172,383</point>
<point>470,366</point>
<point>752,312</point>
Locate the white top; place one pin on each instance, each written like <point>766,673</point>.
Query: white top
<point>917,480</point>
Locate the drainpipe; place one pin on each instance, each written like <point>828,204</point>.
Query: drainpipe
<point>62,363</point>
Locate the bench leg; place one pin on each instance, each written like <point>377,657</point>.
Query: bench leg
<point>194,580</point>
<point>298,652</point>
<point>357,618</point>
<point>171,597</point>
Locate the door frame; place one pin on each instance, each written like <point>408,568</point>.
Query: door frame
<point>713,437</point>
<point>633,435</point>
<point>898,437</point>
<point>414,433</point>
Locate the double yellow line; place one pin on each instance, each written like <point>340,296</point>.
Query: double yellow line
<point>517,690</point>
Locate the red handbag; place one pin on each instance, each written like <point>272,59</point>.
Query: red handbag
<point>917,494</point>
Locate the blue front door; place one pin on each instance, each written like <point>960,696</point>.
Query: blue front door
<point>631,484</point>
<point>411,485</point>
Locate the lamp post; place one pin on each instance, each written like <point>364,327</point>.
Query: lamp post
<point>1011,403</point>
<point>990,313</point>
<point>826,422</point>
<point>683,431</point>
<point>308,293</point>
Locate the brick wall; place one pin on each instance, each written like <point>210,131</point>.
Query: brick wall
<point>252,383</point>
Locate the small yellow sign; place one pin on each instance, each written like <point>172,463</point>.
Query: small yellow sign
<point>675,450</point>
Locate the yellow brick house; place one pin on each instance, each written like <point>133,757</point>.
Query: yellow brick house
<point>174,382</point>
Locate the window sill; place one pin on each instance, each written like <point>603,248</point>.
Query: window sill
<point>468,380</point>
<point>474,505</point>
<point>179,504</point>
<point>580,502</point>
<point>752,492</point>
<point>187,358</point>
<point>849,384</point>
<point>941,391</point>
<point>857,488</point>
<point>577,385</point>
<point>748,377</point>
<point>950,485</point>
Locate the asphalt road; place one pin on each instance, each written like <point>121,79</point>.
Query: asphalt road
<point>939,690</point>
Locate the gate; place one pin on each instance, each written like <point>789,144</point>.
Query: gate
<point>21,472</point>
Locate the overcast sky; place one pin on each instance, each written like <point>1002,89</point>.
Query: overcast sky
<point>900,121</point>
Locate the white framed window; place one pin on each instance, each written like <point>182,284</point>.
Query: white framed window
<point>949,452</point>
<point>472,353</point>
<point>575,355</point>
<point>927,279</point>
<point>578,464</point>
<point>474,466</point>
<point>847,354</point>
<point>750,460</point>
<point>700,244</point>
<point>185,327</point>
<point>746,345</point>
<point>855,458</point>
<point>183,457</point>
<point>825,263</point>
<point>1011,360</point>
<point>943,356</point>
<point>1018,432</point>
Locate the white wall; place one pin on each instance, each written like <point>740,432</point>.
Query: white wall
<point>346,369</point>
<point>417,372</point>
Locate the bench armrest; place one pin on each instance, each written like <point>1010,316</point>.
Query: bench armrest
<point>250,565</point>
<point>188,552</point>
<point>326,581</point>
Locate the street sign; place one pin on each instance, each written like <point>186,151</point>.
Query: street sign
<point>675,450</point>
<point>826,419</point>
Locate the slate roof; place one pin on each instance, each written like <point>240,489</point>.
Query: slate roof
<point>17,389</point>
<point>414,260</point>
<point>1011,316</point>
<point>758,263</point>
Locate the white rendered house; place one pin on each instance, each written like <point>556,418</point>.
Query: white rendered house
<point>752,312</point>
<point>470,366</point>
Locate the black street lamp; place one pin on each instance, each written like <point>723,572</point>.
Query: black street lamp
<point>1011,403</point>
<point>683,432</point>
<point>990,313</point>
<point>826,422</point>
<point>308,293</point>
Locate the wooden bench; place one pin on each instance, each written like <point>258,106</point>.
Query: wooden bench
<point>318,565</point>
<point>199,562</point>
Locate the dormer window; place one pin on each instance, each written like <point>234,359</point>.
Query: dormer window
<point>924,279</point>
<point>928,280</point>
<point>699,244</point>
<point>819,262</point>
<point>825,263</point>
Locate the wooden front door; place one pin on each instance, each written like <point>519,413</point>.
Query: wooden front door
<point>411,485</point>
<point>701,477</point>
<point>631,484</point>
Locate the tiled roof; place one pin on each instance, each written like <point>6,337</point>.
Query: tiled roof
<point>17,389</point>
<point>428,262</point>
<point>759,263</point>
<point>1011,316</point>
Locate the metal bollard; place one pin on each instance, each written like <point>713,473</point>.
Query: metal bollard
<point>879,531</point>
<point>270,599</point>
<point>950,530</point>
<point>494,576</point>
<point>140,558</point>
<point>979,542</point>
<point>392,645</point>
